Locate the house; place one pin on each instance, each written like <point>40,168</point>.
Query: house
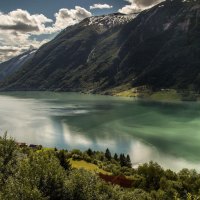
<point>34,146</point>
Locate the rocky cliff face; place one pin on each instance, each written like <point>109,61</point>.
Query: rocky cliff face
<point>158,48</point>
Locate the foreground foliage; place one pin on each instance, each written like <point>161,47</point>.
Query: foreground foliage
<point>32,174</point>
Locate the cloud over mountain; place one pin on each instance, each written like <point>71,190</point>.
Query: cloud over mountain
<point>138,5</point>
<point>19,28</point>
<point>67,17</point>
<point>100,6</point>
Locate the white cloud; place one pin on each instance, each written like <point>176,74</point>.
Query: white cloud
<point>129,9</point>
<point>67,17</point>
<point>7,52</point>
<point>138,5</point>
<point>17,27</point>
<point>144,3</point>
<point>100,6</point>
<point>23,22</point>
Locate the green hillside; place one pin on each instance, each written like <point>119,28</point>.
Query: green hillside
<point>39,174</point>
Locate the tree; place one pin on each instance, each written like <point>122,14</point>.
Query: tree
<point>108,154</point>
<point>18,190</point>
<point>122,160</point>
<point>116,157</point>
<point>152,172</point>
<point>8,158</point>
<point>40,175</point>
<point>90,152</point>
<point>128,161</point>
<point>84,185</point>
<point>64,161</point>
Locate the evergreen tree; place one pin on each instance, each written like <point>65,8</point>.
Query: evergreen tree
<point>64,162</point>
<point>128,161</point>
<point>122,160</point>
<point>108,154</point>
<point>116,157</point>
<point>90,152</point>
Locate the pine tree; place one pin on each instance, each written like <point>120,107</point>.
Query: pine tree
<point>116,157</point>
<point>128,161</point>
<point>64,162</point>
<point>108,154</point>
<point>122,159</point>
<point>89,152</point>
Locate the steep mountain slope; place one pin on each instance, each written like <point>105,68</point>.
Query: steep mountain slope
<point>11,66</point>
<point>173,48</point>
<point>65,62</point>
<point>160,48</point>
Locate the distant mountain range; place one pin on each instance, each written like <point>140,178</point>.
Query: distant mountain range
<point>157,48</point>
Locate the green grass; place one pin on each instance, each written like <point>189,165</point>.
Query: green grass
<point>78,164</point>
<point>124,91</point>
<point>142,92</point>
<point>167,95</point>
<point>128,93</point>
<point>162,95</point>
<point>46,149</point>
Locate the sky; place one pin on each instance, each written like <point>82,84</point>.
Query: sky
<point>27,24</point>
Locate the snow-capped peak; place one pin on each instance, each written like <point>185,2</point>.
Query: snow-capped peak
<point>105,22</point>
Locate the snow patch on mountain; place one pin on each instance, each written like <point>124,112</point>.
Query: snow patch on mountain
<point>105,22</point>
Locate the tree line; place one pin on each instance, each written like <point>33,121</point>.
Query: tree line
<point>47,174</point>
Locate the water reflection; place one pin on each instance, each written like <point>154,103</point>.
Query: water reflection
<point>168,133</point>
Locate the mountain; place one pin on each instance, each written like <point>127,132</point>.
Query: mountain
<point>158,48</point>
<point>105,22</point>
<point>13,65</point>
<point>68,60</point>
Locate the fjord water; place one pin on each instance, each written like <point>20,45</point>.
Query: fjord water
<point>168,133</point>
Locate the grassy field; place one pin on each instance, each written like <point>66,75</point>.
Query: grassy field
<point>87,166</point>
<point>162,95</point>
<point>128,93</point>
<point>167,95</point>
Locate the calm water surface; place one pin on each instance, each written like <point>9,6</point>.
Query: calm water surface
<point>168,133</point>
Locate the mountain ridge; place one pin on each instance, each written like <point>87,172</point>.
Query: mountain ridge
<point>158,48</point>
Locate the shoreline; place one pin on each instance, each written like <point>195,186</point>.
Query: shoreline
<point>140,93</point>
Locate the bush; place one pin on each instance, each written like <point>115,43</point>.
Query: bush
<point>76,157</point>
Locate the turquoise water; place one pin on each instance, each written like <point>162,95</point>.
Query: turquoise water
<point>168,133</point>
